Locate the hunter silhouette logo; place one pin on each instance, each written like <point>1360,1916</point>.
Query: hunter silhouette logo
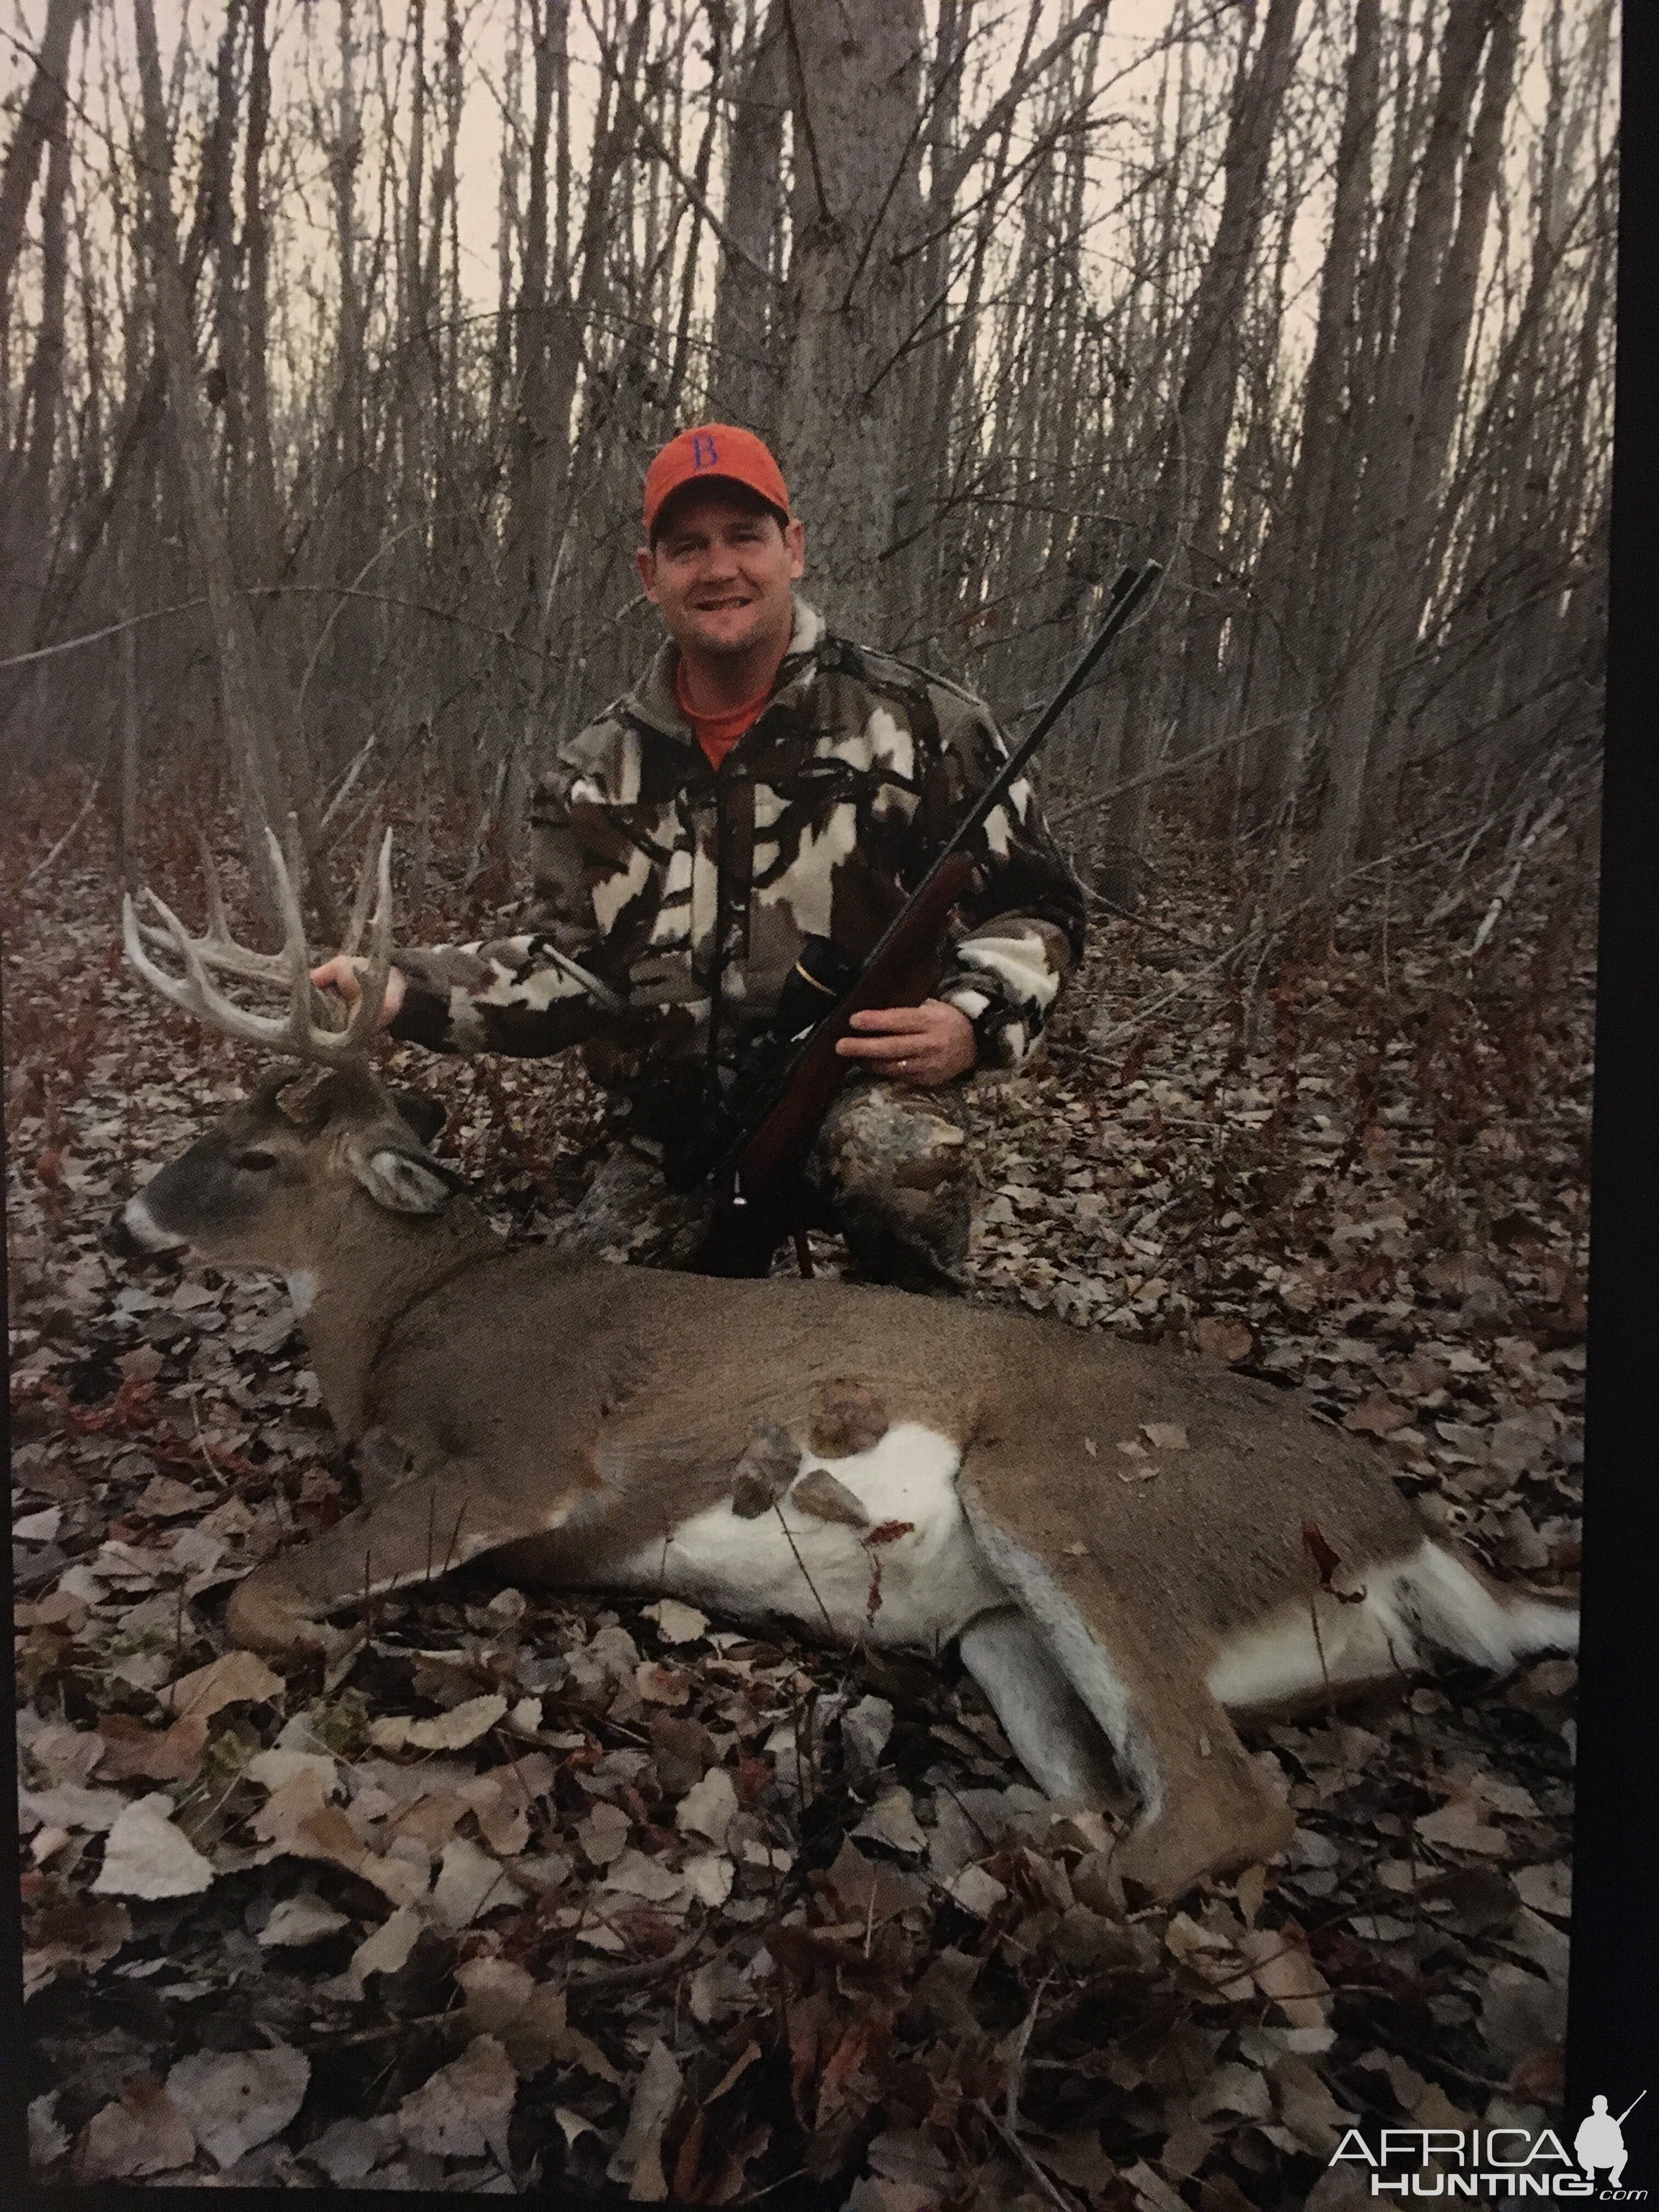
<point>1600,2141</point>
<point>1497,2162</point>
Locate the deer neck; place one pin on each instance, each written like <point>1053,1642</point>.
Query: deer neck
<point>377,1266</point>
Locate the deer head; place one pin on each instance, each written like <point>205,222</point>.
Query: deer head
<point>265,1187</point>
<point>323,1173</point>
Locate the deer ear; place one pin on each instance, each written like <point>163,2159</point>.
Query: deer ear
<point>402,1181</point>
<point>424,1114</point>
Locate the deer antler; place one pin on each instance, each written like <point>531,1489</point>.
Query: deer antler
<point>298,1032</point>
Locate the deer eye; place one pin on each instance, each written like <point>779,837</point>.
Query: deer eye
<point>256,1161</point>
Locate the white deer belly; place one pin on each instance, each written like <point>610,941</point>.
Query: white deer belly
<point>917,1588</point>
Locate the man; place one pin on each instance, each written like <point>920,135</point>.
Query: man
<point>766,782</point>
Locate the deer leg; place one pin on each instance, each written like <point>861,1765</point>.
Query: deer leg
<point>1053,1733</point>
<point>1206,1807</point>
<point>417,1532</point>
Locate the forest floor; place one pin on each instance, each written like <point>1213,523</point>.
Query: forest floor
<point>610,1900</point>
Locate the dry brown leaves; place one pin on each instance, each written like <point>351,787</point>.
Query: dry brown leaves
<point>617,1897</point>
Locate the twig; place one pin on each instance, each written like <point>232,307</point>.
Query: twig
<point>1016,2056</point>
<point>1505,890</point>
<point>1054,2196</point>
<point>41,867</point>
<point>637,1974</point>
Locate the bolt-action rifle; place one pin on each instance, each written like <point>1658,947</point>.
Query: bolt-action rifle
<point>749,1144</point>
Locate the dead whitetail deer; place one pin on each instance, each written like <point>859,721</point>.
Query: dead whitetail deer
<point>860,1463</point>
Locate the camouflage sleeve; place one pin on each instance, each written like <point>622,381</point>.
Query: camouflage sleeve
<point>1025,916</point>
<point>517,994</point>
<point>510,994</point>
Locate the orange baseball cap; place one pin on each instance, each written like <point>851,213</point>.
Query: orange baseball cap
<point>717,452</point>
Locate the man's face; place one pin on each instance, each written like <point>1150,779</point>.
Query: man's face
<point>720,572</point>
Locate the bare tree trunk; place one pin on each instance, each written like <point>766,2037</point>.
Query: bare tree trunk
<point>264,525</point>
<point>1286,644</point>
<point>244,683</point>
<point>1210,379</point>
<point>856,201</point>
<point>26,499</point>
<point>745,384</point>
<point>1192,476</point>
<point>1385,516</point>
<point>1442,396</point>
<point>42,121</point>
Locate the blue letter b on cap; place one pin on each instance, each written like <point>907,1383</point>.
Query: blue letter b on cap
<point>704,454</point>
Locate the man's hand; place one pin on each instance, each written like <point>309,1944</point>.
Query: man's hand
<point>928,1043</point>
<point>341,974</point>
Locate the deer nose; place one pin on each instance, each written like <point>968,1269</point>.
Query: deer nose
<point>134,1232</point>
<point>118,1240</point>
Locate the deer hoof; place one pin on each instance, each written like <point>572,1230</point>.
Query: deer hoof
<point>1187,1842</point>
<point>267,1613</point>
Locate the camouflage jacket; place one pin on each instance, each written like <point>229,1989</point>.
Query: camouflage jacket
<point>687,891</point>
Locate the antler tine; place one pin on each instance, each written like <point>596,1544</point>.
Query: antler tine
<point>216,948</point>
<point>315,1040</point>
<point>298,1032</point>
<point>366,879</point>
<point>366,1014</point>
<point>195,991</point>
<point>311,1039</point>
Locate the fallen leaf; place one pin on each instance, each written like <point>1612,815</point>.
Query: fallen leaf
<point>345,2151</point>
<point>463,2110</point>
<point>1376,1415</point>
<point>148,1856</point>
<point>528,2017</point>
<point>1164,1436</point>
<point>1284,1973</point>
<point>69,1806</point>
<point>892,1820</point>
<point>1547,1888</point>
<point>709,1807</point>
<point>234,2101</point>
<point>298,1920</point>
<point>1462,1826</point>
<point>387,1947</point>
<point>975,1892</point>
<point>1224,1339</point>
<point>133,1750</point>
<point>143,2132</point>
<point>164,1498</point>
<point>237,1678</point>
<point>273,1770</point>
<point>499,1801</point>
<point>637,2158</point>
<point>634,1874</point>
<point>1234,2088</point>
<point>708,1875</point>
<point>660,1684</point>
<point>603,1833</point>
<point>677,1623</point>
<point>47,2141</point>
<point>461,1725</point>
<point>469,1882</point>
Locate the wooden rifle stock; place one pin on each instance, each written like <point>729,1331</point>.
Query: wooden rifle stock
<point>752,1214</point>
<point>752,1174</point>
<point>901,973</point>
